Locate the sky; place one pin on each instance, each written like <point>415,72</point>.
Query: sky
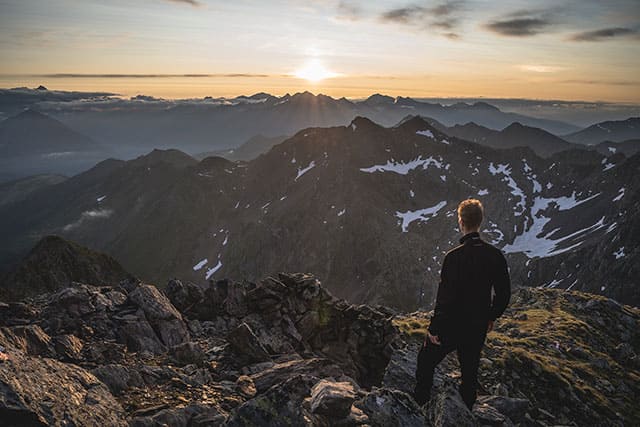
<point>563,49</point>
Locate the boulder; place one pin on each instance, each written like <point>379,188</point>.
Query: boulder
<point>281,405</point>
<point>118,377</point>
<point>246,386</point>
<point>317,367</point>
<point>138,335</point>
<point>188,353</point>
<point>163,317</point>
<point>385,407</point>
<point>332,398</point>
<point>184,296</point>
<point>246,344</point>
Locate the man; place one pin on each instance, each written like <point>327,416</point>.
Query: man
<point>465,310</point>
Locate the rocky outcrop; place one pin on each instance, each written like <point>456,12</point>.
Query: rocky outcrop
<point>284,351</point>
<point>38,391</point>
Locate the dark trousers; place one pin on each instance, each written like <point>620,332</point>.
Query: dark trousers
<point>468,346</point>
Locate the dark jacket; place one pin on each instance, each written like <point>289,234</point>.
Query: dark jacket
<point>469,274</point>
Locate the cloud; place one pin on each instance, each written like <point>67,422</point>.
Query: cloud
<point>444,17</point>
<point>150,76</point>
<point>88,216</point>
<point>605,34</point>
<point>194,3</point>
<point>537,68</point>
<point>602,82</point>
<point>518,27</point>
<point>348,10</point>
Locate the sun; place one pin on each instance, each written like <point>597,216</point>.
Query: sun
<point>314,71</point>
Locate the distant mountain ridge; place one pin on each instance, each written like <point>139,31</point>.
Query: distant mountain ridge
<point>225,123</point>
<point>361,205</point>
<point>34,143</point>
<point>613,130</point>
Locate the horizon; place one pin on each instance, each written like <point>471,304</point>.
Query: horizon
<point>436,99</point>
<point>575,51</point>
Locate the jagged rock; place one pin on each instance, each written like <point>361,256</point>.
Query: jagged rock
<point>386,407</point>
<point>246,344</point>
<point>82,310</point>
<point>68,347</point>
<point>29,338</point>
<point>401,370</point>
<point>489,416</point>
<point>318,367</point>
<point>161,314</point>
<point>184,296</point>
<point>333,399</point>
<point>194,415</point>
<point>513,408</point>
<point>41,391</point>
<point>139,336</point>
<point>187,353</point>
<point>118,377</point>
<point>281,405</point>
<point>246,386</point>
<point>267,295</point>
<point>446,407</point>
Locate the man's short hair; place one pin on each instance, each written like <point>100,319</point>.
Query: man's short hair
<point>470,212</point>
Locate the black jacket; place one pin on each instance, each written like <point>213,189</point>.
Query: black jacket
<point>469,274</point>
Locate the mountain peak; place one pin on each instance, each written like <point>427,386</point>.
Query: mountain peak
<point>55,262</point>
<point>360,122</point>
<point>418,123</point>
<point>485,106</point>
<point>379,99</point>
<point>171,156</point>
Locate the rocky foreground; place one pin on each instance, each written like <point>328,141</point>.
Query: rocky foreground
<point>286,352</point>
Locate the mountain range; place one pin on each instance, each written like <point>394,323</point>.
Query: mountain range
<point>370,210</point>
<point>137,125</point>
<point>35,143</point>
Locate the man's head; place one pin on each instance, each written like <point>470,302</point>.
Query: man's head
<point>470,213</point>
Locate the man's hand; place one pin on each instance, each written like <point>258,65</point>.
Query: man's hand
<point>490,326</point>
<point>435,340</point>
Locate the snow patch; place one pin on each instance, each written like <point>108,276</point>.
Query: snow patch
<point>305,170</point>
<point>505,170</point>
<point>619,196</point>
<point>483,192</point>
<point>101,198</point>
<point>211,271</point>
<point>423,215</point>
<point>403,168</point>
<point>201,264</point>
<point>619,253</point>
<point>533,244</point>
<point>426,133</point>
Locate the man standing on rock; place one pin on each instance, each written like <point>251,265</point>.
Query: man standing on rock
<point>465,309</point>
